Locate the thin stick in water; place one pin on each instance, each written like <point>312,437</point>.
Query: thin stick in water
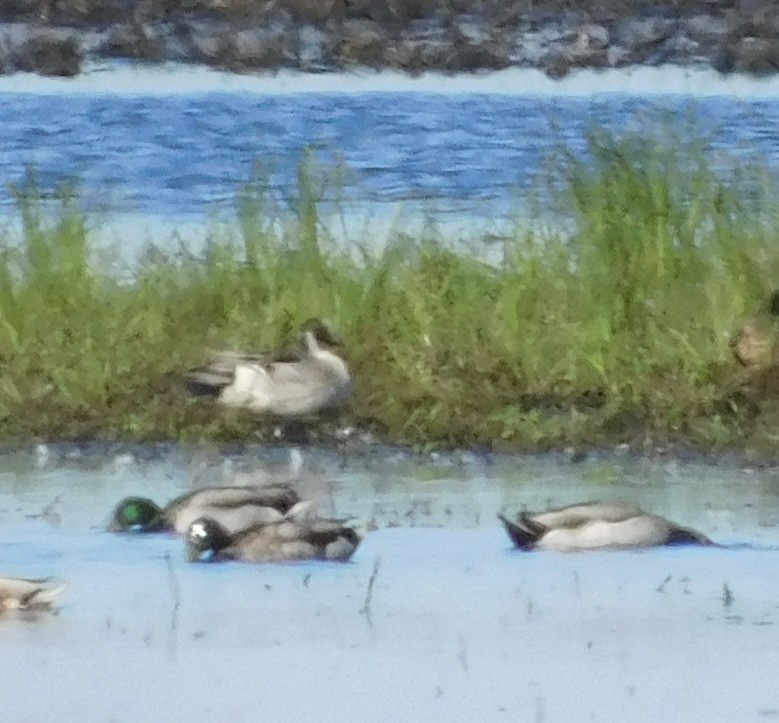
<point>366,608</point>
<point>174,617</point>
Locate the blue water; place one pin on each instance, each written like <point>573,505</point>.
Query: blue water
<point>184,155</point>
<point>456,626</point>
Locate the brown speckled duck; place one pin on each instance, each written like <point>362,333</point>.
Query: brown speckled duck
<point>755,343</point>
<point>283,541</point>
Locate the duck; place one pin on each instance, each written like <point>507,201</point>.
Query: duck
<point>293,383</point>
<point>754,344</point>
<point>282,541</point>
<point>236,508</point>
<point>597,526</point>
<point>18,593</point>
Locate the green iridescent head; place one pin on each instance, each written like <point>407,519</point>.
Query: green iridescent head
<point>136,514</point>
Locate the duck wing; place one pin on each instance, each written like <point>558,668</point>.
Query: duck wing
<point>295,389</point>
<point>584,512</point>
<point>219,371</point>
<point>291,540</point>
<point>280,496</point>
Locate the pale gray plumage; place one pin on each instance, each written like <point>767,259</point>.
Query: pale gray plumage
<point>594,526</point>
<point>290,386</point>
<point>22,594</point>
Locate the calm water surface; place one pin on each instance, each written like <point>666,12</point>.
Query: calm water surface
<point>456,625</point>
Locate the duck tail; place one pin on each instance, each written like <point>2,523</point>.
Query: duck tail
<point>687,536</point>
<point>343,543</point>
<point>522,531</point>
<point>202,383</point>
<point>42,596</point>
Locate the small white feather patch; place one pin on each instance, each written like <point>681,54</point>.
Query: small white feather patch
<point>198,530</point>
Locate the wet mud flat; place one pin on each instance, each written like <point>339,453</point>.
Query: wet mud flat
<point>435,617</point>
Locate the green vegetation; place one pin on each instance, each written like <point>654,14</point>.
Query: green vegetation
<point>616,332</point>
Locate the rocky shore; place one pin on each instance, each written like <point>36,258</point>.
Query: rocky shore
<point>56,37</point>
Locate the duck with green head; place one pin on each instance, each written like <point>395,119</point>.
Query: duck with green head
<point>597,526</point>
<point>290,384</point>
<point>234,507</point>
<point>282,541</point>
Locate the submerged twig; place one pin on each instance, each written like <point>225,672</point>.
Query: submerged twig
<point>366,607</point>
<point>174,616</point>
<point>462,653</point>
<point>661,586</point>
<point>727,596</point>
<point>51,514</point>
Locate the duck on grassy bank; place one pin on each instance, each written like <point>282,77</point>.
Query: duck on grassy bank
<point>754,345</point>
<point>236,508</point>
<point>283,541</point>
<point>291,384</point>
<point>597,526</point>
<point>18,593</point>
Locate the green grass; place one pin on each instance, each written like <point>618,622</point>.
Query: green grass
<point>616,332</point>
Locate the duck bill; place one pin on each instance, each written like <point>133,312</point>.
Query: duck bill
<point>193,553</point>
<point>196,554</point>
<point>114,526</point>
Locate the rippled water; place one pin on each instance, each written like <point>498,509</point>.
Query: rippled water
<point>169,152</point>
<point>456,625</point>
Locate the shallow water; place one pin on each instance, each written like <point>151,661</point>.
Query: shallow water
<point>455,625</point>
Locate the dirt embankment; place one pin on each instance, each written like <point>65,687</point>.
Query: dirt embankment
<point>56,37</point>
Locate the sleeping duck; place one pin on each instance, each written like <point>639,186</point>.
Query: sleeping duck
<point>597,526</point>
<point>20,594</point>
<point>236,508</point>
<point>291,384</point>
<point>282,541</point>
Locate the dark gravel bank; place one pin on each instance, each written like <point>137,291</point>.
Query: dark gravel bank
<point>55,37</point>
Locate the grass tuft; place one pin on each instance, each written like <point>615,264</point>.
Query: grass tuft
<point>617,331</point>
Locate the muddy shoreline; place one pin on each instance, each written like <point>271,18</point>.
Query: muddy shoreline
<point>364,450</point>
<point>57,37</point>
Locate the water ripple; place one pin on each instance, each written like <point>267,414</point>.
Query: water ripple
<point>179,155</point>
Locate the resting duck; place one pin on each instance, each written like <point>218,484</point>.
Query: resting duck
<point>236,508</point>
<point>283,541</point>
<point>597,526</point>
<point>20,594</point>
<point>755,342</point>
<point>291,384</point>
